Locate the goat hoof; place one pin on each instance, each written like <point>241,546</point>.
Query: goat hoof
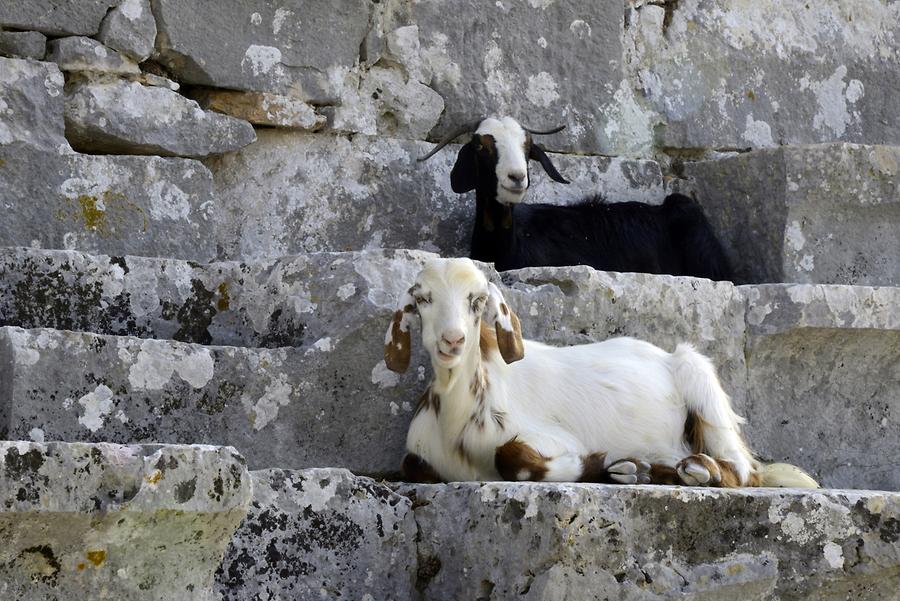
<point>692,472</point>
<point>629,471</point>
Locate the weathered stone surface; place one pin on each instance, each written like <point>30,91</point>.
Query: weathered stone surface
<point>554,542</point>
<point>88,55</point>
<point>824,380</point>
<point>534,60</point>
<point>23,44</point>
<point>116,205</point>
<point>809,214</point>
<point>726,74</point>
<point>296,49</point>
<point>31,95</point>
<point>294,192</point>
<point>321,533</point>
<point>129,118</point>
<point>130,28</point>
<point>261,109</point>
<point>83,521</point>
<point>69,17</point>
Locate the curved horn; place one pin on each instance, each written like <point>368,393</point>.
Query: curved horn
<point>462,129</point>
<point>546,132</point>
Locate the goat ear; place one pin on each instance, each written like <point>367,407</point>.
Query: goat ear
<point>537,154</point>
<point>465,171</point>
<point>506,325</point>
<point>397,340</point>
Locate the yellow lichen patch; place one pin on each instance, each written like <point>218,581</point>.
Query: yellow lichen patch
<point>224,299</point>
<point>94,217</point>
<point>80,567</point>
<point>155,477</point>
<point>751,95</point>
<point>96,557</point>
<point>735,569</point>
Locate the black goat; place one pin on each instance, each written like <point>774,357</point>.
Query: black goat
<point>674,238</point>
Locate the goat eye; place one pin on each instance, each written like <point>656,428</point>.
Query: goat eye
<point>478,303</point>
<point>421,300</point>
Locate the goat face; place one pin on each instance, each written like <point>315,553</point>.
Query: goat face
<point>496,159</point>
<point>451,296</point>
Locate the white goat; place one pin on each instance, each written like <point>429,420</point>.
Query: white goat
<point>621,410</point>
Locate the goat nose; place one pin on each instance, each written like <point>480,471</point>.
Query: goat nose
<point>517,177</point>
<point>454,338</point>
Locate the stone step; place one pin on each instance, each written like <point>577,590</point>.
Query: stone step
<point>100,521</point>
<point>325,532</point>
<point>826,214</point>
<point>813,367</point>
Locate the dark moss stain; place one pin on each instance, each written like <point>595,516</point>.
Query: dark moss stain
<point>212,404</point>
<point>195,316</point>
<point>890,531</point>
<point>19,466</point>
<point>282,331</point>
<point>166,463</point>
<point>218,489</point>
<point>41,563</point>
<point>184,491</point>
<point>429,567</point>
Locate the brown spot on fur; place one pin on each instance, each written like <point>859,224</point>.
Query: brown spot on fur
<point>731,479</point>
<point>429,401</point>
<point>504,309</point>
<point>397,351</point>
<point>511,347</point>
<point>499,418</point>
<point>592,468</point>
<point>693,432</point>
<point>487,142</point>
<point>416,469</point>
<point>516,457</point>
<point>487,341</point>
<point>663,474</point>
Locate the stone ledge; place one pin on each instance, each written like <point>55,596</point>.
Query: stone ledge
<point>96,520</point>
<point>323,530</point>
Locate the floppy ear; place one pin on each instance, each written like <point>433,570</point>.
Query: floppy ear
<point>397,340</point>
<point>537,154</point>
<point>506,325</point>
<point>465,171</point>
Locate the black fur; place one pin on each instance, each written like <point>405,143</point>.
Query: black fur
<point>674,238</point>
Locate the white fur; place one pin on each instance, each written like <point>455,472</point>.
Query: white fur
<point>509,139</point>
<point>623,397</point>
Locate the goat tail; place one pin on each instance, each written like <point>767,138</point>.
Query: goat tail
<point>703,255</point>
<point>784,475</point>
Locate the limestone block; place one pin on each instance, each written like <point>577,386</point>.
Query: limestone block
<point>295,49</point>
<point>85,521</point>
<point>321,532</point>
<point>130,28</point>
<point>538,61</point>
<point>808,214</point>
<point>129,118</point>
<point>760,74</point>
<point>553,541</point>
<point>23,44</point>
<point>261,108</point>
<point>31,105</point>
<point>88,55</point>
<point>300,193</point>
<point>118,205</point>
<point>55,17</point>
<point>824,380</point>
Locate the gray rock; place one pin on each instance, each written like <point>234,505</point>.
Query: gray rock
<point>546,63</point>
<point>130,28</point>
<point>296,49</point>
<point>809,214</point>
<point>824,380</point>
<point>23,44</point>
<point>554,542</point>
<point>54,17</point>
<point>88,55</point>
<point>117,205</point>
<point>261,109</point>
<point>321,533</point>
<point>292,193</point>
<point>129,118</point>
<point>32,96</point>
<point>733,75</point>
<point>107,521</point>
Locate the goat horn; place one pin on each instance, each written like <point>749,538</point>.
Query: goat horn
<point>544,133</point>
<point>462,129</point>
